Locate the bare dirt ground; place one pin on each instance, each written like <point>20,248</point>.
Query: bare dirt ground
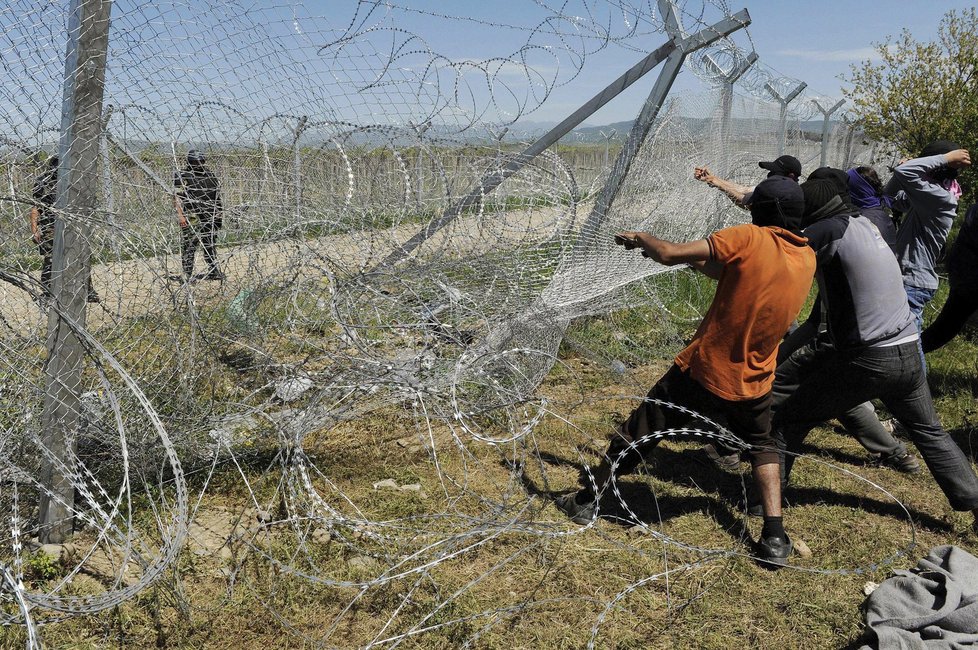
<point>150,285</point>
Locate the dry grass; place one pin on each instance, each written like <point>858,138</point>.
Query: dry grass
<point>531,589</point>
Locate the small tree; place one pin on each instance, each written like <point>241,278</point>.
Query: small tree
<point>920,92</point>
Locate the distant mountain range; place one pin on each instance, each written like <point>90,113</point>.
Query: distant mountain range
<point>618,131</point>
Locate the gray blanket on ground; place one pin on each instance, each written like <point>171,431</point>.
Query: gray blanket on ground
<point>934,606</point>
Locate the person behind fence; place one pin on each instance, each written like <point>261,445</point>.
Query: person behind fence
<point>926,191</point>
<point>42,224</point>
<point>764,271</point>
<point>962,274</point>
<point>200,213</point>
<point>787,166</point>
<point>870,349</point>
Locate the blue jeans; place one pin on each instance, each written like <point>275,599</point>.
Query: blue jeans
<point>835,381</point>
<point>918,297</point>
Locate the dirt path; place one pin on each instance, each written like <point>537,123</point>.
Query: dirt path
<point>149,285</point>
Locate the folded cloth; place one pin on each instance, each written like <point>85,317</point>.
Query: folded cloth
<point>933,606</point>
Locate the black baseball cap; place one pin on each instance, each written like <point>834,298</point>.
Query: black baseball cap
<point>777,201</point>
<point>783,165</point>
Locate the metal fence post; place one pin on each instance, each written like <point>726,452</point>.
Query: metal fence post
<point>726,101</point>
<point>81,125</point>
<point>827,114</point>
<point>784,100</point>
<point>297,169</point>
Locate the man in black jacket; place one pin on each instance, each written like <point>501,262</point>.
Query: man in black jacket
<point>198,204</point>
<point>870,349</point>
<point>42,224</point>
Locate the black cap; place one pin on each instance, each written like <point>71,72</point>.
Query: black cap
<point>195,157</point>
<point>938,147</point>
<point>53,161</point>
<point>838,178</point>
<point>777,201</point>
<point>783,165</point>
<point>821,200</point>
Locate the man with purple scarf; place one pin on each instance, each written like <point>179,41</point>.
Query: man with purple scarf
<point>866,194</point>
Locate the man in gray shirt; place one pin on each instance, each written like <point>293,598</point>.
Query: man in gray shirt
<point>870,350</point>
<point>926,190</point>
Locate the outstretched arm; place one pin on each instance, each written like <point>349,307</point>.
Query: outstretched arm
<point>735,191</point>
<point>910,176</point>
<point>664,251</point>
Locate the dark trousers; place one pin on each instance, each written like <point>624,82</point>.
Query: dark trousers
<point>831,381</point>
<point>749,420</point>
<point>46,248</point>
<point>961,304</point>
<point>204,235</point>
<point>860,421</point>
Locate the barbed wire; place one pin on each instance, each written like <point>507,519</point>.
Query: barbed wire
<point>334,142</point>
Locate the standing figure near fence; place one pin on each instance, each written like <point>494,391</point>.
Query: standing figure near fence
<point>197,200</point>
<point>926,190</point>
<point>764,272</point>
<point>42,224</point>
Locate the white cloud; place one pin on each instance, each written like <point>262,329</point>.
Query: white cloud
<point>857,54</point>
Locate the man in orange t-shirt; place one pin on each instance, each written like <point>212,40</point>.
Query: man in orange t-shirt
<point>764,271</point>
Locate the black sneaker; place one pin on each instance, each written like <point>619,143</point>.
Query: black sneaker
<point>906,462</point>
<point>215,274</point>
<point>93,298</point>
<point>579,514</point>
<point>774,551</point>
<point>723,461</point>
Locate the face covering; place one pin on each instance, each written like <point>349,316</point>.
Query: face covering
<point>862,193</point>
<point>952,186</point>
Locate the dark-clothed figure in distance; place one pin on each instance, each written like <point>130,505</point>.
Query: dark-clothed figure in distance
<point>764,273</point>
<point>42,218</point>
<point>42,224</point>
<point>198,204</point>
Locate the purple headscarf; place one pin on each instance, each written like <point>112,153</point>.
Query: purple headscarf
<point>862,193</point>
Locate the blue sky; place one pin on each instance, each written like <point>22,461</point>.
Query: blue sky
<point>812,41</point>
<point>266,58</point>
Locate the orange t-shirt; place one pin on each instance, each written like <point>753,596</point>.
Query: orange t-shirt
<point>766,277</point>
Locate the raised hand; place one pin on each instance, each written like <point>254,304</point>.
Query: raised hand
<point>958,159</point>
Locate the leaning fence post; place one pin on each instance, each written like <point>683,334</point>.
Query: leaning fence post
<point>81,126</point>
